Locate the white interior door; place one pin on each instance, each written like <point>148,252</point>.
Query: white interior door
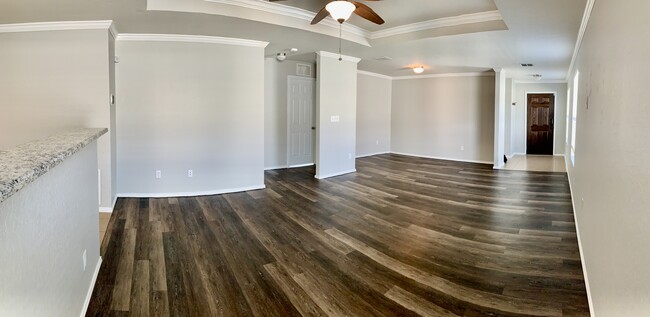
<point>300,118</point>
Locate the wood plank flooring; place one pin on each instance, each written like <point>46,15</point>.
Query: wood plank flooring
<point>401,237</point>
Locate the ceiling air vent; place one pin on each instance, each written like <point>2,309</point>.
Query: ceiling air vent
<point>526,65</point>
<point>383,58</point>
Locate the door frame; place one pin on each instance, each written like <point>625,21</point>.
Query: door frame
<point>313,145</point>
<point>554,93</point>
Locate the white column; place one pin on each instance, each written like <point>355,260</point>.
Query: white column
<point>499,117</point>
<point>336,115</point>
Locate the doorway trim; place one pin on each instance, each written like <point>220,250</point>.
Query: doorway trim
<point>554,93</point>
<point>313,145</point>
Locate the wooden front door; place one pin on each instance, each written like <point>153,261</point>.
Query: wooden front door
<point>541,111</point>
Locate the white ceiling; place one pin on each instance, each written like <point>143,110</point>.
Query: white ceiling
<point>449,35</point>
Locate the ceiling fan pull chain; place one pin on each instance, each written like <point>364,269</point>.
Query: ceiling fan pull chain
<point>340,34</point>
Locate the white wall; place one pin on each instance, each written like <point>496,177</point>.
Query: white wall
<point>509,113</point>
<point>518,134</point>
<point>374,95</point>
<point>434,117</point>
<point>45,229</point>
<point>336,96</point>
<point>275,110</point>
<point>52,81</point>
<point>611,179</point>
<point>185,106</point>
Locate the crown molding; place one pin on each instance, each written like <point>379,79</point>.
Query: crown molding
<point>336,56</point>
<point>550,81</point>
<point>56,26</point>
<point>438,23</point>
<point>363,72</point>
<point>476,74</point>
<point>281,9</point>
<point>113,30</point>
<point>581,34</point>
<point>190,38</point>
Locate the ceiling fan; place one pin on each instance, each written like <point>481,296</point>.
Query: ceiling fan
<point>342,10</point>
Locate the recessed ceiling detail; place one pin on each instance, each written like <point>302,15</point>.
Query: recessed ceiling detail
<point>299,17</point>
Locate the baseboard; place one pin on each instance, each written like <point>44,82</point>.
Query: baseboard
<point>443,158</point>
<point>373,154</point>
<point>191,194</point>
<point>275,168</point>
<point>301,165</point>
<point>561,155</point>
<point>109,209</point>
<point>334,174</point>
<point>582,256</point>
<point>515,154</point>
<point>498,167</point>
<point>89,295</point>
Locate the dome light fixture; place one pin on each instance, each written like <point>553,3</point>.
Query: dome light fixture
<point>418,69</point>
<point>340,10</point>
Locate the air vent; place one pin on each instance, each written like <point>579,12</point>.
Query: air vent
<point>303,70</point>
<point>526,65</point>
<point>383,58</point>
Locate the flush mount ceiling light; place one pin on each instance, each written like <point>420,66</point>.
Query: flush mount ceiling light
<point>281,56</point>
<point>418,69</point>
<point>537,76</point>
<point>340,10</point>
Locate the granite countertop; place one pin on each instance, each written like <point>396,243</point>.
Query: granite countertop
<point>27,162</point>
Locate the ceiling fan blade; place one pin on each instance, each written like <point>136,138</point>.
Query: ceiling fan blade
<point>322,14</point>
<point>365,12</point>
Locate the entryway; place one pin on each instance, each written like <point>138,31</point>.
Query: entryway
<point>540,123</point>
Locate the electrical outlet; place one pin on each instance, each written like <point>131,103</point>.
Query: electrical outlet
<point>462,148</point>
<point>158,174</point>
<point>190,173</point>
<point>84,257</point>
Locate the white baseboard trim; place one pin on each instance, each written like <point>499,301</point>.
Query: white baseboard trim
<point>91,288</point>
<point>514,154</point>
<point>373,154</point>
<point>582,255</point>
<point>444,158</point>
<point>301,165</point>
<point>109,209</point>
<point>192,194</point>
<point>498,167</point>
<point>275,168</point>
<point>334,174</point>
<point>561,155</point>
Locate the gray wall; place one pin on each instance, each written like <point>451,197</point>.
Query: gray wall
<point>52,81</point>
<point>373,114</point>
<point>611,178</point>
<point>434,117</point>
<point>46,227</point>
<point>336,96</point>
<point>518,142</point>
<point>185,106</point>
<point>275,110</point>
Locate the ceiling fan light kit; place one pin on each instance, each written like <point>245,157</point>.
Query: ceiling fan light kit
<point>340,10</point>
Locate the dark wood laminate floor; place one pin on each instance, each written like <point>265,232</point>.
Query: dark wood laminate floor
<point>402,237</point>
